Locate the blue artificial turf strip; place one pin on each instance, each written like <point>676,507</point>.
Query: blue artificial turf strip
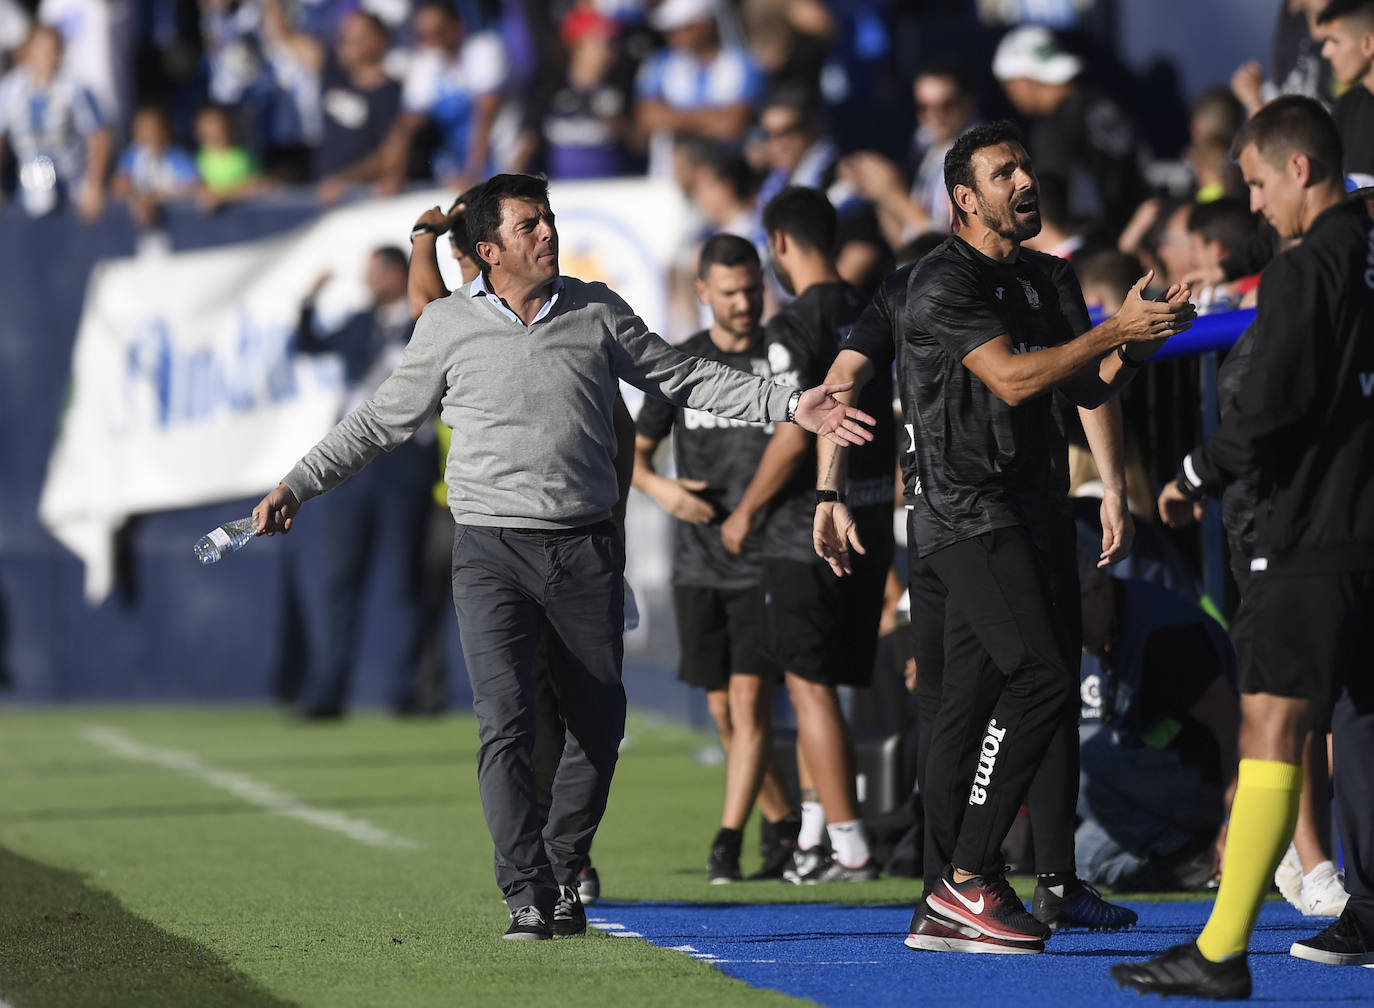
<point>853,955</point>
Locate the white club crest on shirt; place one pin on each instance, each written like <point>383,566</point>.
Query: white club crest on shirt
<point>1000,292</point>
<point>1032,298</point>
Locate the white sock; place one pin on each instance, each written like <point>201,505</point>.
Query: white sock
<point>812,826</point>
<point>849,841</point>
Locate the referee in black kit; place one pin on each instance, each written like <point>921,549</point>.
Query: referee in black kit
<point>986,334</point>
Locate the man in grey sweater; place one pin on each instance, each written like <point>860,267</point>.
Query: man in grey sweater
<point>524,365</point>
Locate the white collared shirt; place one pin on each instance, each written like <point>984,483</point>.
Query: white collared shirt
<point>478,286</point>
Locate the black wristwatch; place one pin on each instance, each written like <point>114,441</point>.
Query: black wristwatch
<point>420,229</point>
<point>829,497</point>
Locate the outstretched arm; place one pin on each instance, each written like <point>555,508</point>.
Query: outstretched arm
<point>1018,377</point>
<point>833,531</point>
<point>1107,441</point>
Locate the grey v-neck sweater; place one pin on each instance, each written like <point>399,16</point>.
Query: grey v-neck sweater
<point>530,406</point>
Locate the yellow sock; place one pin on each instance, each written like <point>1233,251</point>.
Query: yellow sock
<point>1262,818</point>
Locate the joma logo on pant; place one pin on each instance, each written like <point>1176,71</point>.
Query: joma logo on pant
<point>987,759</point>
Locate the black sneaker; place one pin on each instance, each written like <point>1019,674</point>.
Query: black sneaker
<point>832,871</point>
<point>569,918</point>
<point>1342,943</point>
<point>777,844</point>
<point>988,904</point>
<point>805,864</point>
<point>1184,970</point>
<point>1080,906</point>
<point>528,924</point>
<point>588,885</point>
<point>723,865</point>
<point>933,932</point>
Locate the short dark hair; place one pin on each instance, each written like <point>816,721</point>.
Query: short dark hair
<point>1227,220</point>
<point>959,157</point>
<point>1293,124</point>
<point>734,171</point>
<point>483,214</point>
<point>1109,268</point>
<point>444,7</point>
<point>1221,110</point>
<point>727,250</point>
<point>805,216</point>
<point>949,69</point>
<point>458,235</point>
<point>800,99</point>
<point>1363,9</point>
<point>393,257</point>
<point>919,247</point>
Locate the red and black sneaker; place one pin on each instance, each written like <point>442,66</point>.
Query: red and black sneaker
<point>988,904</point>
<point>933,932</point>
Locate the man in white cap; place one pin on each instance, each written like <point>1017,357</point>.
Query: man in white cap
<point>1084,145</point>
<point>697,84</point>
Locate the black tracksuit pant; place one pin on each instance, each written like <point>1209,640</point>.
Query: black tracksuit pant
<point>997,635</point>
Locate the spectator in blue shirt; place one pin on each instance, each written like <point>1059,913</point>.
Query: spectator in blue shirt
<point>454,84</point>
<point>55,130</point>
<point>696,85</point>
<point>152,170</point>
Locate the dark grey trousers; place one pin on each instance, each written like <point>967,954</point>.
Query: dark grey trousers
<point>509,587</point>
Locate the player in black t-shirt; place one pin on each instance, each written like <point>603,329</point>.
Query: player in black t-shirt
<point>872,348</point>
<point>987,331</point>
<point>1303,425</point>
<point>822,630</point>
<point>717,595</point>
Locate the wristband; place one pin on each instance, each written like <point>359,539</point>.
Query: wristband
<point>829,496</point>
<point>791,415</point>
<point>1186,482</point>
<point>1127,359</point>
<point>420,229</point>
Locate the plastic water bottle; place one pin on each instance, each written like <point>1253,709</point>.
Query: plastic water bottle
<point>218,543</point>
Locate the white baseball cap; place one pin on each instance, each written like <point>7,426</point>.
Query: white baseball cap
<point>672,14</point>
<point>1031,51</point>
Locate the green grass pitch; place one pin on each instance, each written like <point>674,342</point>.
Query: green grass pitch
<point>162,880</point>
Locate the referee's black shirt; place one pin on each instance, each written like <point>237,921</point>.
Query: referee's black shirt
<point>980,463</point>
<point>725,454</point>
<point>1302,419</point>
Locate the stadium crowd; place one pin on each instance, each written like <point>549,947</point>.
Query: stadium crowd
<point>818,134</point>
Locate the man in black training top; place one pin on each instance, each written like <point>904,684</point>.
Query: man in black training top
<point>716,593</point>
<point>823,631</point>
<point>1060,899</point>
<point>987,331</point>
<point>1302,425</point>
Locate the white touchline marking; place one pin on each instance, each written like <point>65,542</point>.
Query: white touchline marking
<point>626,934</point>
<point>254,792</point>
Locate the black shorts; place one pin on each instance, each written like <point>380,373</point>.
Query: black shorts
<point>824,628</point>
<point>1305,636</point>
<point>720,633</point>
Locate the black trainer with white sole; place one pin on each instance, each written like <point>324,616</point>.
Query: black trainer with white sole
<point>1183,969</point>
<point>528,924</point>
<point>805,864</point>
<point>723,864</point>
<point>569,917</point>
<point>1341,943</point>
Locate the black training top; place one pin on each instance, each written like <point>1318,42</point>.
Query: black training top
<point>874,336</point>
<point>1354,115</point>
<point>803,339</point>
<point>725,454</point>
<point>980,463</point>
<point>1303,417</point>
